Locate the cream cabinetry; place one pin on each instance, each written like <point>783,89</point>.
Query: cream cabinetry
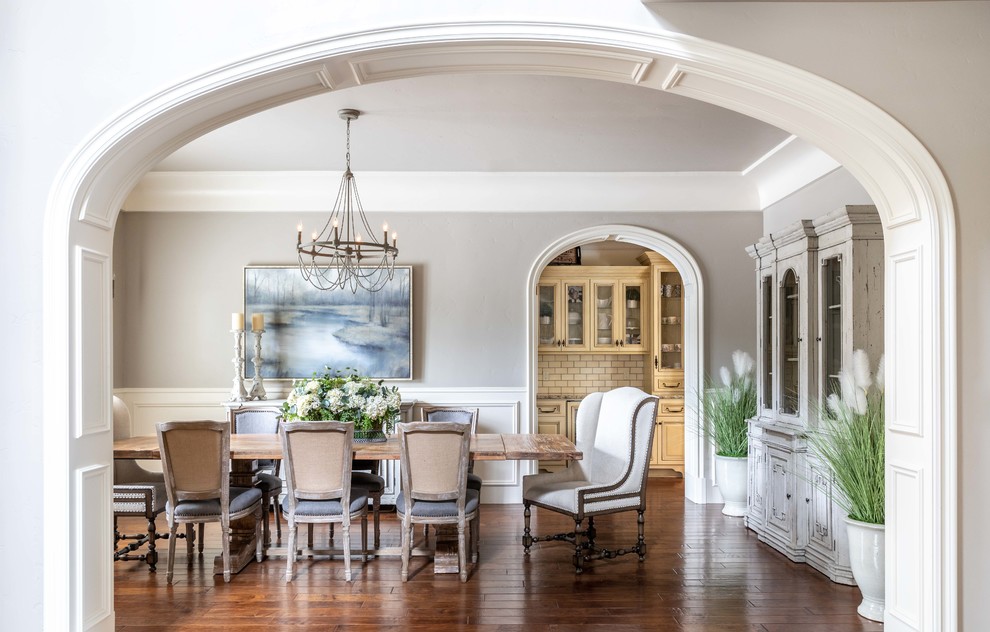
<point>820,296</point>
<point>668,440</point>
<point>603,309</point>
<point>552,418</point>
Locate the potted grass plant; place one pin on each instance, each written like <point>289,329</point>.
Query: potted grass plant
<point>726,408</point>
<point>849,440</point>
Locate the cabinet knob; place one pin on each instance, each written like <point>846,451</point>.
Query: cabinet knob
<point>788,497</point>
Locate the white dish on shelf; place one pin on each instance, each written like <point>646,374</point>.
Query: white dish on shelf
<point>574,318</point>
<point>604,340</point>
<point>603,302</point>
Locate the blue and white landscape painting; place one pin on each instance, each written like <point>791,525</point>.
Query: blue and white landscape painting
<point>307,329</point>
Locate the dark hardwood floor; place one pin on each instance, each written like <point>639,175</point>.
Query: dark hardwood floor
<point>703,571</point>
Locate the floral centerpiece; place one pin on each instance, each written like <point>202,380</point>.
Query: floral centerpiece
<point>348,397</point>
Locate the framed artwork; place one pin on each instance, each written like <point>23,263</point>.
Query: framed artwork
<point>570,257</point>
<point>307,329</point>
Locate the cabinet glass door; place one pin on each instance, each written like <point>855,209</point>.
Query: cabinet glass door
<point>604,315</point>
<point>670,290</point>
<point>790,338</point>
<point>766,392</point>
<point>547,299</point>
<point>632,325</point>
<point>831,347</point>
<point>574,325</point>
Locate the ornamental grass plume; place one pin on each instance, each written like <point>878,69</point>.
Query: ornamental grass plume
<point>849,439</point>
<point>727,407</point>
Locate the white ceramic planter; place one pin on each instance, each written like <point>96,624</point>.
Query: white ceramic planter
<point>866,552</point>
<point>730,474</point>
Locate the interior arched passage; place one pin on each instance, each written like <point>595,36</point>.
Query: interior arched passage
<point>698,485</point>
<point>896,170</point>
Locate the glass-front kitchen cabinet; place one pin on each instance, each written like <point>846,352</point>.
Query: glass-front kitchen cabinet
<point>819,291</point>
<point>602,309</point>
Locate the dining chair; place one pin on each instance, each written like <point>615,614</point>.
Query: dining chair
<point>136,492</point>
<point>615,434</point>
<point>460,415</point>
<point>263,420</point>
<point>365,474</point>
<point>433,458</point>
<point>196,462</point>
<point>317,457</point>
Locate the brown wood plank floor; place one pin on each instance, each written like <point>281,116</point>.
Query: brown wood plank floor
<point>704,571</point>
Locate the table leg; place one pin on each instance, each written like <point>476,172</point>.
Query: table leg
<point>445,555</point>
<point>243,541</point>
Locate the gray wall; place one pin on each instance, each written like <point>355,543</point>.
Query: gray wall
<point>178,276</point>
<point>814,200</point>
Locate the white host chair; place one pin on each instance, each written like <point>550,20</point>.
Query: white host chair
<point>615,433</point>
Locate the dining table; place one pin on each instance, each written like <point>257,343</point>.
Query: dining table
<point>247,449</point>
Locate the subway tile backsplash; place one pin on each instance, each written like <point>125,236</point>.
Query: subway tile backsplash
<point>580,374</point>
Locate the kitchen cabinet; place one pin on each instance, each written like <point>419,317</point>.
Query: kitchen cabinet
<point>602,309</point>
<point>820,296</point>
<point>552,418</point>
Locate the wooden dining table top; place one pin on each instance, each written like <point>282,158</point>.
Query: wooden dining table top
<point>484,447</point>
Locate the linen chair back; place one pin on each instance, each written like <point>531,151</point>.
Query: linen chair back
<point>196,460</point>
<point>433,457</point>
<point>255,420</point>
<point>446,413</point>
<point>128,470</point>
<point>621,455</point>
<point>317,457</point>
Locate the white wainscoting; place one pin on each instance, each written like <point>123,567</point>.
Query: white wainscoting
<point>500,410</point>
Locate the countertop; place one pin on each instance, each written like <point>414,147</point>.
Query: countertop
<point>570,397</point>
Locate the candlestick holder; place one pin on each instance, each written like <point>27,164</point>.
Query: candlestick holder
<point>237,391</point>
<point>258,387</point>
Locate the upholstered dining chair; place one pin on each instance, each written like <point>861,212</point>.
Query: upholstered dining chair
<point>317,457</point>
<point>615,433</point>
<point>460,415</point>
<point>136,492</point>
<point>263,420</point>
<point>196,462</point>
<point>433,458</point>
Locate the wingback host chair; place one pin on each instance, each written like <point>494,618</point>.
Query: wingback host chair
<point>258,420</point>
<point>433,459</point>
<point>196,460</point>
<point>317,456</point>
<point>136,492</point>
<point>615,433</point>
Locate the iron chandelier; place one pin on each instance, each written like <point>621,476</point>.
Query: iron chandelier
<point>345,253</point>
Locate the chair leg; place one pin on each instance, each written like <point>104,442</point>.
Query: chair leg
<point>364,536</point>
<point>259,552</point>
<point>641,541</point>
<point>406,537</point>
<point>476,537</point>
<point>278,520</point>
<point>462,549</point>
<point>190,541</point>
<point>172,529</point>
<point>202,540</point>
<point>291,557</point>
<point>578,550</point>
<point>151,557</point>
<point>378,504</point>
<point>309,535</point>
<point>225,547</point>
<point>527,540</point>
<point>266,530</point>
<point>346,528</point>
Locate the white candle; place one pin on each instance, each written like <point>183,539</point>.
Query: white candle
<point>257,322</point>
<point>237,321</point>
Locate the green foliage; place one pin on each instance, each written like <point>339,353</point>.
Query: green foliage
<point>851,444</point>
<point>347,397</point>
<point>726,407</point>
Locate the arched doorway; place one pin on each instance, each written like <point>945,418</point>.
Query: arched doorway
<point>698,485</point>
<point>896,170</point>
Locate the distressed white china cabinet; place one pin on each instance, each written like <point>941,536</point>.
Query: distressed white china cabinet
<point>820,296</point>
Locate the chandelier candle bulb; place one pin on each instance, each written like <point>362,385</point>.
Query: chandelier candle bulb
<point>237,321</point>
<point>299,233</point>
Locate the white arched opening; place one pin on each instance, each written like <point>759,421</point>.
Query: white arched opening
<point>896,170</point>
<point>698,485</point>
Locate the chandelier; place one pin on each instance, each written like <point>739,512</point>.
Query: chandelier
<point>345,253</point>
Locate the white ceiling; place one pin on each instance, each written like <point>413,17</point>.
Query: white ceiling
<point>487,123</point>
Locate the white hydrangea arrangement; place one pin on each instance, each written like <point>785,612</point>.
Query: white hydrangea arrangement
<point>336,396</point>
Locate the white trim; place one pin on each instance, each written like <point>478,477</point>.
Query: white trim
<point>464,192</point>
<point>697,461</point>
<point>897,171</point>
<point>759,161</point>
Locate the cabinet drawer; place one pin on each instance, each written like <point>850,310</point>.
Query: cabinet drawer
<point>665,384</point>
<point>550,409</point>
<point>671,407</point>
